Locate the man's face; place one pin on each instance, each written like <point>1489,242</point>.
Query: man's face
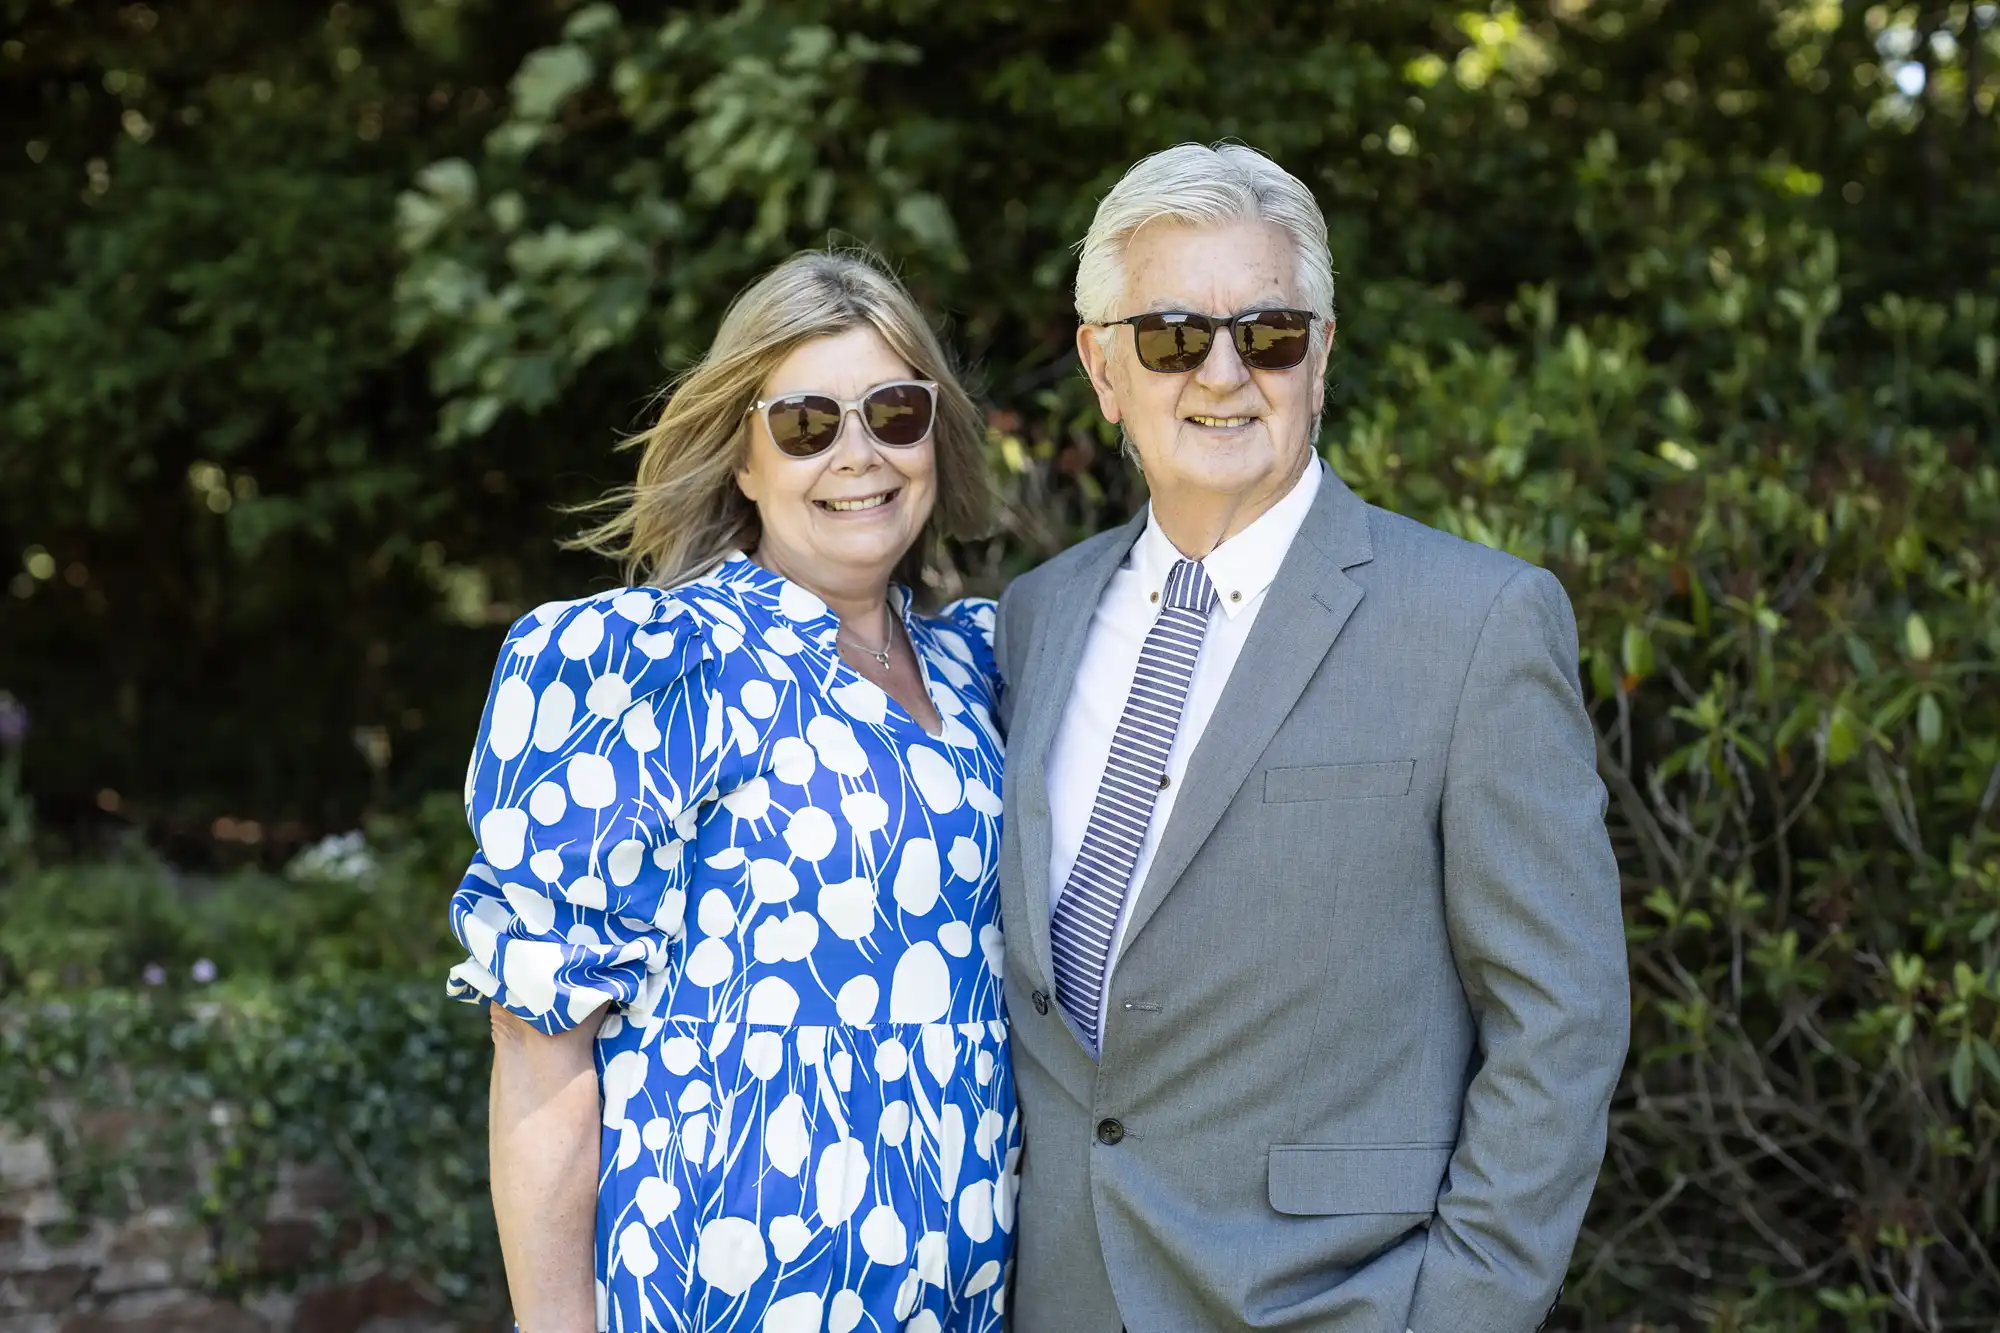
<point>1222,430</point>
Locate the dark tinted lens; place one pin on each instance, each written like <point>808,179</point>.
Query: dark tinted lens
<point>1273,339</point>
<point>804,423</point>
<point>1172,343</point>
<point>898,414</point>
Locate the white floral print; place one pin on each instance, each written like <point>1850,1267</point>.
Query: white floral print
<point>690,809</point>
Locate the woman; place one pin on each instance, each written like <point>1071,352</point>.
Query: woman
<point>734,901</point>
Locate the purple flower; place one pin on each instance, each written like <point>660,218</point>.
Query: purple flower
<point>154,975</point>
<point>203,971</point>
<point>13,720</point>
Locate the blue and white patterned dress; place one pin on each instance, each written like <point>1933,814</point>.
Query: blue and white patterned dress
<point>689,807</point>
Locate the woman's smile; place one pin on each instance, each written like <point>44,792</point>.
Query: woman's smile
<point>860,504</point>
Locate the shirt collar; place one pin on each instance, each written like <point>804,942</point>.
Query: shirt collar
<point>1245,565</point>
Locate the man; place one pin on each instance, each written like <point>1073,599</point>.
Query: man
<point>1316,967</point>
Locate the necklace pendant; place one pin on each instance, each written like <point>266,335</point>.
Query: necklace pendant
<point>881,659</point>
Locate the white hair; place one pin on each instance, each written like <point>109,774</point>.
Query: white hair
<point>1198,185</point>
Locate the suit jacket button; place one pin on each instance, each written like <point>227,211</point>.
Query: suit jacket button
<point>1110,1133</point>
<point>1040,999</point>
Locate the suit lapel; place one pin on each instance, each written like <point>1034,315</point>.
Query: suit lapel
<point>1304,611</point>
<point>1047,678</point>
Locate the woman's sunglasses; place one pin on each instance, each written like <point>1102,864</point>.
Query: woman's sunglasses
<point>898,414</point>
<point>1172,342</point>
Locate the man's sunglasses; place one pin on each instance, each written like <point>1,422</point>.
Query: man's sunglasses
<point>898,414</point>
<point>1174,342</point>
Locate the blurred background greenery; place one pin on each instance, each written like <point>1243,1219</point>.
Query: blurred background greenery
<point>314,315</point>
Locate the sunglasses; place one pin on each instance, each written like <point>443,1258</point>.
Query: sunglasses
<point>1172,342</point>
<point>899,414</point>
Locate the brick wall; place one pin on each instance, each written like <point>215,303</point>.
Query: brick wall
<point>143,1274</point>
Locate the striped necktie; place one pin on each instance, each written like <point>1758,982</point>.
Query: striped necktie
<point>1086,918</point>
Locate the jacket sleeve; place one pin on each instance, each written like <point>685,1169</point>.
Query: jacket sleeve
<point>1010,642</point>
<point>1532,909</point>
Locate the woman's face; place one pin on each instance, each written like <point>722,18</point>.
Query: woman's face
<point>814,533</point>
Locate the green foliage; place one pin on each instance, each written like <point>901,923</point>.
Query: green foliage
<point>371,907</point>
<point>198,1041</point>
<point>212,463</point>
<point>157,1097</point>
<point>315,314</point>
<point>1696,304</point>
<point>1782,554</point>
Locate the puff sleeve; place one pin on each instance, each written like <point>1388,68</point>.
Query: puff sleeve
<point>600,739</point>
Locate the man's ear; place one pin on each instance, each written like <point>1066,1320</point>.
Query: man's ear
<point>1096,358</point>
<point>1319,368</point>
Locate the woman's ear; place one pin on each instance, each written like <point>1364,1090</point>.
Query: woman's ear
<point>746,477</point>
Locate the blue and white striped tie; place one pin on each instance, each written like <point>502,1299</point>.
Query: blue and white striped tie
<point>1086,917</point>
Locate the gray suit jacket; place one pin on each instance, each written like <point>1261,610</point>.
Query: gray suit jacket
<point>1372,1001</point>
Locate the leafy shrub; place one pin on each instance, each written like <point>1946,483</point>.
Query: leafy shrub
<point>132,920</point>
<point>389,279</point>
<point>196,1041</point>
<point>1788,587</point>
<point>152,1097</point>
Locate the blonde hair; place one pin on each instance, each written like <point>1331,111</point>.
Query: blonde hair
<point>1196,185</point>
<point>683,512</point>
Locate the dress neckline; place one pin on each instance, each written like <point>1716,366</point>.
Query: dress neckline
<point>803,609</point>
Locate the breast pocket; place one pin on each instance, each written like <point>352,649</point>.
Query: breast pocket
<point>1339,782</point>
<point>1330,1179</point>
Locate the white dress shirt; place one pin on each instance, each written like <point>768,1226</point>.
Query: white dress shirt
<point>1241,569</point>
